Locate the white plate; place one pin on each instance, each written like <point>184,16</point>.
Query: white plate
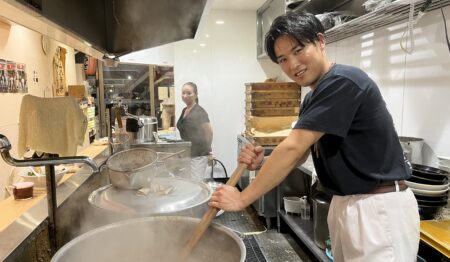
<point>19,174</point>
<point>444,167</point>
<point>444,160</point>
<point>429,192</point>
<point>426,186</point>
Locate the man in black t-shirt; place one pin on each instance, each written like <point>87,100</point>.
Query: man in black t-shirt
<point>346,126</point>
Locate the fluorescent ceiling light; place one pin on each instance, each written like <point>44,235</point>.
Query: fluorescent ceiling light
<point>220,22</point>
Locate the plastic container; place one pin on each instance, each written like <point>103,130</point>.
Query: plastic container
<point>292,205</point>
<point>306,209</point>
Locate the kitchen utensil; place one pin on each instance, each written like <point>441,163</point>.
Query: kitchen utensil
<point>432,203</point>
<point>444,160</point>
<point>120,140</point>
<point>203,225</point>
<point>292,205</point>
<point>428,212</point>
<point>444,167</point>
<point>22,174</point>
<point>132,168</point>
<point>321,205</point>
<point>428,172</point>
<point>188,198</point>
<point>152,239</point>
<point>171,155</point>
<point>150,125</point>
<point>426,186</point>
<point>412,147</point>
<point>431,198</point>
<point>417,179</point>
<point>430,192</point>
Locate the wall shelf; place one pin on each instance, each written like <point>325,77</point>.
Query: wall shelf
<point>391,13</point>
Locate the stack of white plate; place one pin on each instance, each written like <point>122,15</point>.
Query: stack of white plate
<point>430,187</point>
<point>444,163</point>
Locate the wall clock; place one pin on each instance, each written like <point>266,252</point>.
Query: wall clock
<point>45,41</point>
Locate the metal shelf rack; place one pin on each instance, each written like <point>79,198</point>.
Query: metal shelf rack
<point>391,13</point>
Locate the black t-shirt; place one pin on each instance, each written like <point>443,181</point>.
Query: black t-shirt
<point>360,147</point>
<point>191,130</point>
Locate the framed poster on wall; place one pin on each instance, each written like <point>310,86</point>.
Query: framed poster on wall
<point>13,77</point>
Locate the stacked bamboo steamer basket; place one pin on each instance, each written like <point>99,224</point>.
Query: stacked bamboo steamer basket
<point>270,109</point>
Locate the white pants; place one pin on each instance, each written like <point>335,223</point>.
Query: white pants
<point>374,227</point>
<point>198,168</point>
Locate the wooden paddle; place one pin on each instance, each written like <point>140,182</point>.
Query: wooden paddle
<point>208,217</point>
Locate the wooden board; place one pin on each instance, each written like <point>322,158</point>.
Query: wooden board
<point>272,86</point>
<point>282,111</point>
<point>267,139</point>
<point>436,234</point>
<point>269,124</point>
<point>272,103</point>
<point>271,94</point>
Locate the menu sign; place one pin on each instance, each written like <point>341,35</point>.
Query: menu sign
<point>13,77</point>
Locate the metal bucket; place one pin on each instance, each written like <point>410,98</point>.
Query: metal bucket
<point>321,205</point>
<point>412,147</point>
<point>150,125</point>
<point>152,239</point>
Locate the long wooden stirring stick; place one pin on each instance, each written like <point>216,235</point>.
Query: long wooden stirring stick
<point>208,217</point>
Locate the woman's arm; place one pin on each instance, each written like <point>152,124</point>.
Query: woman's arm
<point>207,129</point>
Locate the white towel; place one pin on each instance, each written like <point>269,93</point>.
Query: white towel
<point>51,125</point>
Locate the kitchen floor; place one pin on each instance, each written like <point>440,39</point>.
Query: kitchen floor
<point>264,244</point>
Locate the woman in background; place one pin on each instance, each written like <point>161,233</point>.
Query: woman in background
<point>194,126</point>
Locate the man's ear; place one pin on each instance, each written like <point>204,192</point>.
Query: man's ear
<point>321,40</point>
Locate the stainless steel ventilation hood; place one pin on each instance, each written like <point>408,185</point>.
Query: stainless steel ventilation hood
<point>119,27</point>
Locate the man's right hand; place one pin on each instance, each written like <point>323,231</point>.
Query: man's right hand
<point>252,156</point>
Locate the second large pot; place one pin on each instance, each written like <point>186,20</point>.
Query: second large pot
<point>152,239</point>
<point>149,127</point>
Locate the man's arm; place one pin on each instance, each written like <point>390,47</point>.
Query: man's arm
<point>278,165</point>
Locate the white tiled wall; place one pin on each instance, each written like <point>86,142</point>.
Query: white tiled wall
<point>416,86</point>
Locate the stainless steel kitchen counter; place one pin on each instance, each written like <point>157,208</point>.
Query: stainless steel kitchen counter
<point>308,166</point>
<point>170,147</point>
<point>26,238</point>
<point>30,225</point>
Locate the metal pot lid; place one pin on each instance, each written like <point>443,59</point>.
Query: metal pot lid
<point>148,119</point>
<point>185,194</point>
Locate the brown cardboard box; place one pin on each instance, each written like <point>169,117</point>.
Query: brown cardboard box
<point>78,91</point>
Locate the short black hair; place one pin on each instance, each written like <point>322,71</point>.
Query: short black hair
<point>304,27</point>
